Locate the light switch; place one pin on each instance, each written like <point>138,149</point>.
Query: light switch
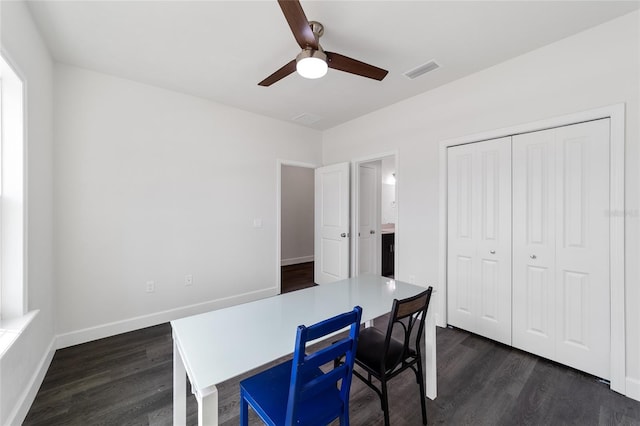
<point>257,222</point>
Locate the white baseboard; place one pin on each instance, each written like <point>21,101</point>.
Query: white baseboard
<point>21,409</point>
<point>124,326</point>
<point>296,260</point>
<point>633,388</point>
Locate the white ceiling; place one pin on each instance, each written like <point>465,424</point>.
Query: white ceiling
<point>220,50</point>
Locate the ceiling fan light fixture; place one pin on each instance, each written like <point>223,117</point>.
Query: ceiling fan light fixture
<point>311,63</point>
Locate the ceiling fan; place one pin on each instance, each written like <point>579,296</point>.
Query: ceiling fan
<point>313,61</point>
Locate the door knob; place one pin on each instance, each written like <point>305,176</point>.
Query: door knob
<point>533,256</point>
<point>492,252</point>
<point>372,232</point>
<point>343,235</point>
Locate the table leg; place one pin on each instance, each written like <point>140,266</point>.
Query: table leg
<point>179,388</point>
<point>208,407</point>
<point>431,378</point>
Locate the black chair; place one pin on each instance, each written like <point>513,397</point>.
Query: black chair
<point>383,356</point>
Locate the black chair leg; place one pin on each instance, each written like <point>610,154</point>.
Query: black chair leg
<point>385,402</point>
<point>423,398</point>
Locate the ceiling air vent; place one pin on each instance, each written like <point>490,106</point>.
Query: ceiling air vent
<point>307,119</point>
<point>422,69</point>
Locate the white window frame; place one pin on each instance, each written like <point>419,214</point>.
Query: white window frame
<point>13,288</point>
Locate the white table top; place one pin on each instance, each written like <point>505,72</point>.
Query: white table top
<point>222,344</point>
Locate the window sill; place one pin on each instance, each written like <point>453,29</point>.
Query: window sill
<point>10,330</point>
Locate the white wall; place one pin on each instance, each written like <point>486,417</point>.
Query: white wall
<point>31,353</point>
<point>592,69</point>
<point>297,214</point>
<point>153,185</point>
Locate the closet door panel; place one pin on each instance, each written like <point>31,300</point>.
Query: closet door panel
<point>489,290</point>
<point>582,247</point>
<point>494,238</point>
<point>538,312</point>
<point>479,238</point>
<point>461,299</point>
<point>534,243</point>
<point>463,274</point>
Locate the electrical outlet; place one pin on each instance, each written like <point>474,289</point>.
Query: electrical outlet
<point>151,286</point>
<point>188,280</point>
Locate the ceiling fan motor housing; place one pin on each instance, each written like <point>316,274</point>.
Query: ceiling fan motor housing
<point>317,28</point>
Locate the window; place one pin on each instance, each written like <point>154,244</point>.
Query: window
<point>12,230</point>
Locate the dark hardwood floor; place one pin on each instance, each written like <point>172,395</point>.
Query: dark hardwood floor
<point>296,277</point>
<point>127,380</point>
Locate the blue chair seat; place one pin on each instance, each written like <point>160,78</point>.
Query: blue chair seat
<point>270,391</point>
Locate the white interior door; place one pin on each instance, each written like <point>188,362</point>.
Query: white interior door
<point>479,238</point>
<point>369,219</point>
<point>561,245</point>
<point>331,242</point>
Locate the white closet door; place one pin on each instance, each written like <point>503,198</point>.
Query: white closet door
<point>461,245</point>
<point>561,245</point>
<point>494,238</point>
<point>534,250</point>
<point>479,238</point>
<point>582,247</point>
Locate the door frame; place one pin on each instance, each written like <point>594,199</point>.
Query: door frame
<point>355,211</point>
<point>279,164</point>
<point>616,114</point>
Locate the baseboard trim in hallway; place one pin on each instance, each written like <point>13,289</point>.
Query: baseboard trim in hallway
<point>296,277</point>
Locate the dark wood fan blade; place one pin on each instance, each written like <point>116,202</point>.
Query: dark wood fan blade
<point>280,74</point>
<point>299,24</point>
<point>346,64</point>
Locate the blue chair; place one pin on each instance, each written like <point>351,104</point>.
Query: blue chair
<point>298,392</point>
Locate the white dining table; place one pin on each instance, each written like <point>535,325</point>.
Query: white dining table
<point>216,346</point>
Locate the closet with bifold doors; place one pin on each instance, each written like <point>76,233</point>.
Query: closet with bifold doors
<point>528,242</point>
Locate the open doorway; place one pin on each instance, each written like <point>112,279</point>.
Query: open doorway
<point>326,226</point>
<point>375,216</point>
<point>296,235</point>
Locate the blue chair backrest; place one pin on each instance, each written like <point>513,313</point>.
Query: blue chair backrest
<point>302,389</point>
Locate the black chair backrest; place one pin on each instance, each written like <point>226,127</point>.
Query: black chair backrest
<point>414,309</point>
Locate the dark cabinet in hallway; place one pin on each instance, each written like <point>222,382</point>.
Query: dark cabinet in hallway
<point>388,249</point>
